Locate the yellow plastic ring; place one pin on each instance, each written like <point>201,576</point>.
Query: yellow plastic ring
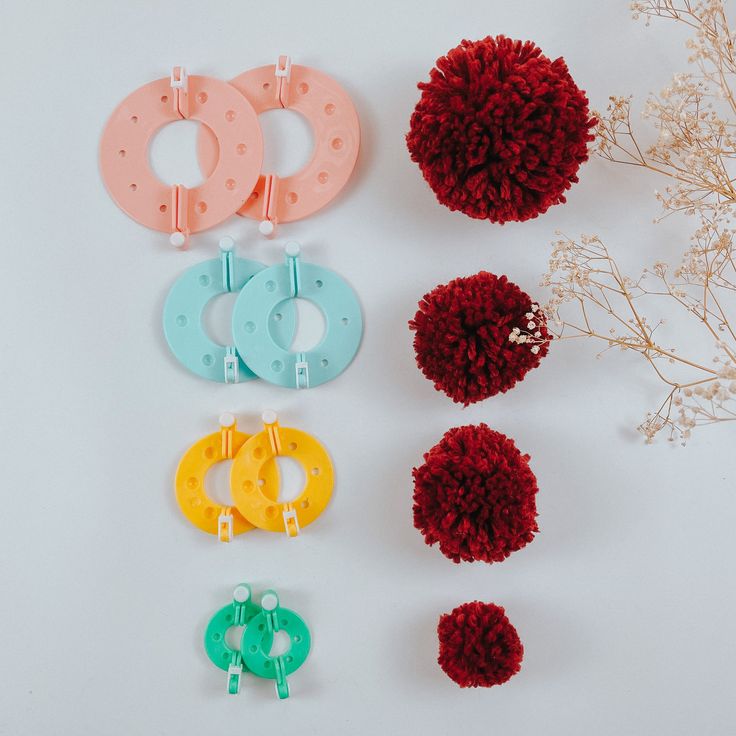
<point>251,463</point>
<point>205,513</point>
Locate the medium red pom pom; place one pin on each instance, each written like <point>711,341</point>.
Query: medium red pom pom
<point>479,646</point>
<point>500,130</point>
<point>465,338</point>
<point>475,495</point>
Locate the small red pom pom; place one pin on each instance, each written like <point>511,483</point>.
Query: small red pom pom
<point>500,130</point>
<point>465,338</point>
<point>475,495</point>
<point>479,646</point>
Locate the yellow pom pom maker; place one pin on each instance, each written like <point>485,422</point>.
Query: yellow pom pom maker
<point>208,515</point>
<point>253,500</point>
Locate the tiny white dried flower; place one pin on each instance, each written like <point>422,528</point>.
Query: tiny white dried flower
<point>531,325</point>
<point>535,349</point>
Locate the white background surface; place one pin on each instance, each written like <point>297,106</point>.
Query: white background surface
<point>624,601</point>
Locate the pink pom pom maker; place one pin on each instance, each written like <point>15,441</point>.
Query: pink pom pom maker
<point>235,160</point>
<point>330,112</point>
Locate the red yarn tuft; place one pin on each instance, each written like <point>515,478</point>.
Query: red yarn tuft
<point>500,130</point>
<point>475,495</point>
<point>479,646</point>
<point>462,336</point>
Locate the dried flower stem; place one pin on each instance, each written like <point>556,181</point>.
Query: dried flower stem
<point>696,150</point>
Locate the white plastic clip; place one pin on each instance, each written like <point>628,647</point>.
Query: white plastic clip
<point>234,671</point>
<point>302,371</point>
<point>269,601</point>
<point>283,77</point>
<point>266,227</point>
<point>180,86</point>
<point>226,420</point>
<point>179,78</point>
<point>241,594</point>
<point>291,522</point>
<point>232,366</point>
<point>225,527</point>
<point>283,67</point>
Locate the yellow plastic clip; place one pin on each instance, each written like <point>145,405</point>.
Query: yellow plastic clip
<point>291,521</point>
<point>225,525</point>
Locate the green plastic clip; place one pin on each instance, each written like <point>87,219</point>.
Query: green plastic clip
<point>282,686</point>
<point>234,671</point>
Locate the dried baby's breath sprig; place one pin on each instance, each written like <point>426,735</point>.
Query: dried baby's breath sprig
<point>695,117</point>
<point>530,334</point>
<point>611,308</point>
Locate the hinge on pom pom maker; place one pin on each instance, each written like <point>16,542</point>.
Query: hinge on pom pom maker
<point>301,365</point>
<point>180,194</point>
<point>269,218</point>
<point>231,360</point>
<point>271,426</point>
<point>241,598</point>
<point>225,519</point>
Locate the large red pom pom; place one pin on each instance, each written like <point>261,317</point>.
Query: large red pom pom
<point>479,646</point>
<point>500,130</point>
<point>473,338</point>
<point>475,495</point>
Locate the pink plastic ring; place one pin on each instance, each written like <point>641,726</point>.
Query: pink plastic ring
<point>330,112</point>
<point>236,161</point>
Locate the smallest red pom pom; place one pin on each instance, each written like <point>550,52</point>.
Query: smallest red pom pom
<point>479,646</point>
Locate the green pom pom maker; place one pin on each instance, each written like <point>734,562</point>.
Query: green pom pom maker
<point>259,622</point>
